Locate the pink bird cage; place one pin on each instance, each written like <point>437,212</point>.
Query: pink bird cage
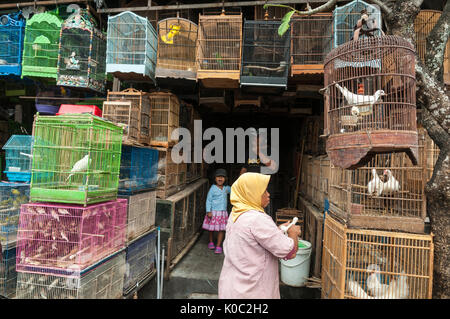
<point>58,237</point>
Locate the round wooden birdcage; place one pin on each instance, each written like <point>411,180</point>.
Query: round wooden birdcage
<point>370,100</point>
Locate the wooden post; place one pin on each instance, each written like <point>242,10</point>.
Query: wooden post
<point>298,175</point>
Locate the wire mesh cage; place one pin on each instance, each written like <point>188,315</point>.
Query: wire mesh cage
<point>57,237</point>
<point>12,195</point>
<point>8,274</point>
<point>101,281</point>
<point>168,174</point>
<point>141,213</point>
<point>165,115</point>
<point>82,52</point>
<point>12,29</point>
<point>219,50</point>
<point>76,159</point>
<point>265,54</point>
<point>129,109</point>
<point>138,169</point>
<point>177,43</point>
<point>18,154</point>
<point>369,264</point>
<point>131,47</point>
<point>140,259</point>
<point>311,41</point>
<point>346,17</point>
<point>41,45</point>
<point>423,24</point>
<point>370,100</point>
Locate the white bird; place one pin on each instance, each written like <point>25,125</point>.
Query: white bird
<point>63,211</point>
<point>79,166</point>
<point>392,185</point>
<point>374,285</point>
<point>358,99</point>
<point>355,111</point>
<point>375,184</point>
<point>397,289</point>
<point>27,155</point>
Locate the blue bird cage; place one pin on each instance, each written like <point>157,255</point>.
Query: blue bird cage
<point>131,47</point>
<point>140,260</point>
<point>8,274</point>
<point>12,29</point>
<point>138,169</point>
<point>346,17</point>
<point>18,155</point>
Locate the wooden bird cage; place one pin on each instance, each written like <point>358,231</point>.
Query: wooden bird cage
<point>370,100</point>
<point>131,47</point>
<point>215,99</point>
<point>165,112</point>
<point>265,54</point>
<point>404,263</point>
<point>423,24</point>
<point>12,29</point>
<point>241,99</point>
<point>41,45</point>
<point>361,202</point>
<point>346,17</point>
<point>311,41</point>
<point>219,49</point>
<point>130,109</point>
<point>82,53</point>
<point>177,40</point>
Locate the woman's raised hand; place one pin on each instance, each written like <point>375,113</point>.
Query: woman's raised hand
<point>294,231</point>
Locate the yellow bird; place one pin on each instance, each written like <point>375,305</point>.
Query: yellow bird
<point>174,30</point>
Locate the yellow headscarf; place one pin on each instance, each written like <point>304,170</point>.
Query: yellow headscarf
<point>246,193</point>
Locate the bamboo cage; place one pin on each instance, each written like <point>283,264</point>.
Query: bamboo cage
<point>370,100</point>
<point>171,175</point>
<point>165,112</point>
<point>219,50</point>
<point>423,24</point>
<point>393,203</point>
<point>311,41</point>
<point>130,109</point>
<point>177,40</point>
<point>369,264</point>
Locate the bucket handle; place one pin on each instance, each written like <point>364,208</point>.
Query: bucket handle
<point>309,255</point>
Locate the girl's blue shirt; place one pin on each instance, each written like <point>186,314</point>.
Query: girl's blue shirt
<point>217,198</point>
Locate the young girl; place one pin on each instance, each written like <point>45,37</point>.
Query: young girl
<point>216,210</point>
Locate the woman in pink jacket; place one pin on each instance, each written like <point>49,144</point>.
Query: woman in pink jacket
<point>253,243</point>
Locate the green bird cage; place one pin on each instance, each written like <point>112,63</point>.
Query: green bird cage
<point>76,159</point>
<point>41,44</point>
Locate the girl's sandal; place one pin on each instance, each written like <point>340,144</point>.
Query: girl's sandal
<point>218,250</point>
<point>211,245</point>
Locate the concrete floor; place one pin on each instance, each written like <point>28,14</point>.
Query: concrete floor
<point>196,276</point>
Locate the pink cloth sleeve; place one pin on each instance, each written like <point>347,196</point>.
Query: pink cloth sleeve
<point>269,236</point>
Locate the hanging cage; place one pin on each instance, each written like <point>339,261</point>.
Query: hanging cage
<point>311,41</point>
<point>265,54</point>
<point>370,100</point>
<point>131,47</point>
<point>41,45</point>
<point>12,29</point>
<point>346,17</point>
<point>219,50</point>
<point>177,40</point>
<point>82,52</point>
<point>165,112</point>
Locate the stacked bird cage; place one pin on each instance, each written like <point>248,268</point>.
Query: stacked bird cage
<point>41,45</point>
<point>57,237</point>
<point>103,280</point>
<point>12,28</point>
<point>345,18</point>
<point>265,54</point>
<point>171,175</point>
<point>129,109</point>
<point>138,169</point>
<point>370,264</point>
<point>82,51</point>
<point>311,40</point>
<point>370,100</point>
<point>219,50</point>
<point>8,274</point>
<point>76,159</point>
<point>140,259</point>
<point>177,39</point>
<point>423,24</point>
<point>131,47</point>
<point>165,112</point>
<point>18,155</point>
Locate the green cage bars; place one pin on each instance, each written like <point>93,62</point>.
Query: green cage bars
<point>76,159</point>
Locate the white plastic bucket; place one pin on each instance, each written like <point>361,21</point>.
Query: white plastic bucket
<point>295,271</point>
